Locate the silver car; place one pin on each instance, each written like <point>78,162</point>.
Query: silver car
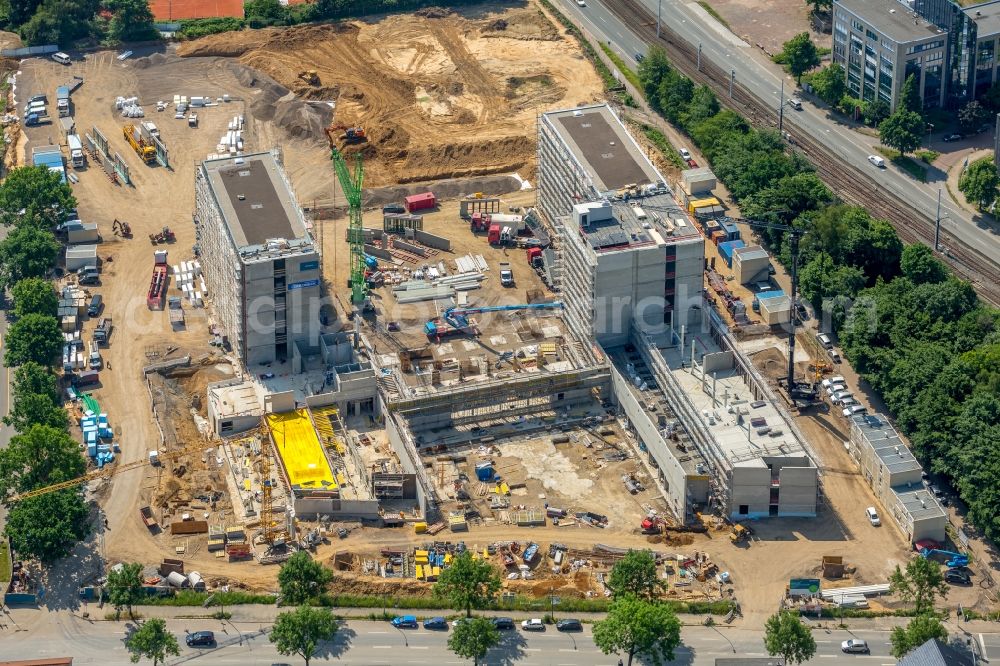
<point>855,645</point>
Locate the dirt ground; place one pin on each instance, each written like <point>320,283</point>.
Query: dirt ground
<point>442,97</point>
<point>768,23</point>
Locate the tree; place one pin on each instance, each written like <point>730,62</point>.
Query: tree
<point>920,630</point>
<point>45,527</point>
<point>639,627</point>
<point>909,96</point>
<point>39,457</point>
<point>902,131</point>
<point>919,265</point>
<point>25,253</point>
<point>991,98</point>
<point>980,181</point>
<point>799,55</point>
<point>820,6</point>
<point>33,378</point>
<point>301,578</point>
<point>473,638</point>
<point>635,574</point>
<point>35,338</point>
<point>703,106</point>
<point>28,409</point>
<point>35,196</point>
<point>785,635</point>
<point>124,587</point>
<point>875,112</point>
<point>152,641</point>
<point>652,70</point>
<point>920,585</point>
<point>972,116</point>
<point>299,632</point>
<point>132,21</point>
<point>469,583</point>
<point>830,83</point>
<point>35,296</point>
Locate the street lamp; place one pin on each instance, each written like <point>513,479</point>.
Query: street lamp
<point>930,128</point>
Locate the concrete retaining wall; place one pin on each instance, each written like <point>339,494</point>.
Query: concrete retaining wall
<point>406,247</point>
<point>430,240</point>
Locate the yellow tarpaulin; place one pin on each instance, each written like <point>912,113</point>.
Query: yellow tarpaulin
<point>300,450</point>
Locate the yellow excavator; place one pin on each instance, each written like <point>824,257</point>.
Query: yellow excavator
<point>310,76</point>
<point>145,150</point>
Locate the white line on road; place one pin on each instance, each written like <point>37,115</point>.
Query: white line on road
<point>420,647</point>
<point>567,650</point>
<point>381,647</point>
<point>376,632</point>
<point>532,649</point>
<point>982,644</point>
<point>827,656</point>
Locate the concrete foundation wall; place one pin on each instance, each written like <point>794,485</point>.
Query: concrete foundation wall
<point>310,508</point>
<point>750,492</point>
<point>430,240</point>
<point>378,252</point>
<point>717,361</point>
<point>408,460</point>
<point>797,494</point>
<point>407,247</point>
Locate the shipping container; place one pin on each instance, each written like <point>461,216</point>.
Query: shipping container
<point>421,201</point>
<point>726,250</point>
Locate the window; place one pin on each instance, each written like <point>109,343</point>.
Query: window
<point>744,509</point>
<point>871,35</point>
<point>858,25</point>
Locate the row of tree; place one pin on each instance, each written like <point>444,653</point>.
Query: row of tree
<point>66,22</point>
<point>916,333</point>
<point>42,453</point>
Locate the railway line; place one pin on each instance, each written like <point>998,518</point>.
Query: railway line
<point>845,179</point>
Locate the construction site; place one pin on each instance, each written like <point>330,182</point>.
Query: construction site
<point>406,301</point>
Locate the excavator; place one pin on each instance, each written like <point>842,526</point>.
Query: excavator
<point>310,76</point>
<point>349,135</point>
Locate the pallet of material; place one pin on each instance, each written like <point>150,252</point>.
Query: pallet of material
<point>435,528</point>
<point>234,533</point>
<point>529,518</point>
<point>216,544</point>
<point>189,527</point>
<point>431,294</point>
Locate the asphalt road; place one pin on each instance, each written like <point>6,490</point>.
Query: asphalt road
<point>364,643</point>
<point>763,78</point>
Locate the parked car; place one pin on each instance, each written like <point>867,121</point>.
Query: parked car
<point>435,623</point>
<point>684,153</point>
<point>825,340</point>
<point>953,137</point>
<point>830,381</point>
<point>503,623</point>
<point>569,625</point>
<point>873,516</point>
<point>850,402</point>
<point>855,646</point>
<point>835,388</point>
<point>841,395</point>
<point>534,624</point>
<point>455,623</point>
<point>934,489</point>
<point>200,639</point>
<point>405,622</point>
<point>957,577</point>
<point>855,410</point>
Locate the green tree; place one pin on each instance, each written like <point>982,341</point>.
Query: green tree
<point>265,12</point>
<point>33,337</point>
<point>34,296</point>
<point>300,631</point>
<point>919,630</point>
<point>639,627</point>
<point>45,527</point>
<point>28,409</point>
<point>919,265</point>
<point>909,96</point>
<point>703,106</point>
<point>473,638</point>
<point>635,574</point>
<point>830,83</point>
<point>36,197</point>
<point>33,378</point>
<point>39,457</point>
<point>902,131</point>
<point>132,21</point>
<point>301,578</point>
<point>820,6</point>
<point>652,70</point>
<point>124,587</point>
<point>19,11</point>
<point>799,55</point>
<point>152,641</point>
<point>875,112</point>
<point>920,584</point>
<point>972,116</point>
<point>27,252</point>
<point>785,635</point>
<point>979,182</point>
<point>468,583</point>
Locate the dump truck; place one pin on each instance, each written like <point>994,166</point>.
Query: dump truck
<point>158,283</point>
<point>143,148</point>
<point>506,275</point>
<point>146,514</point>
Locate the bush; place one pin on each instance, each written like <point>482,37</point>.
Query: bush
<point>195,28</point>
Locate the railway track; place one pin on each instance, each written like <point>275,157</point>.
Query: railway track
<point>845,179</point>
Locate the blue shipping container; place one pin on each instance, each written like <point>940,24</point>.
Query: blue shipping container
<point>726,250</point>
<point>772,293</point>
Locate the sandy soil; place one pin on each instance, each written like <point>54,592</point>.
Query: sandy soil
<point>439,97</point>
<point>768,23</point>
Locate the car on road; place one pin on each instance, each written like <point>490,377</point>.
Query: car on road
<point>569,625</point>
<point>953,137</point>
<point>639,57</point>
<point>877,161</point>
<point>200,639</point>
<point>957,577</point>
<point>684,153</point>
<point>855,646</point>
<point>435,623</point>
<point>455,623</point>
<point>503,623</point>
<point>581,3</point>
<point>534,624</point>
<point>873,516</point>
<point>405,622</point>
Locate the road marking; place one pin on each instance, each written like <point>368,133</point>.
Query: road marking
<point>827,656</point>
<point>982,643</point>
<point>532,649</point>
<point>420,647</point>
<point>381,647</point>
<point>567,650</point>
<point>377,632</point>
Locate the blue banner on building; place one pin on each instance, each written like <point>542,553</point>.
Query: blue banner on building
<point>303,285</point>
<point>308,265</point>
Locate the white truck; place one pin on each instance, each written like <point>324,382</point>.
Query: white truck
<point>150,131</point>
<point>95,356</point>
<point>62,101</point>
<point>76,154</point>
<point>506,275</point>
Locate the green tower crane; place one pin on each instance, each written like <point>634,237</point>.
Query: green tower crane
<point>351,184</point>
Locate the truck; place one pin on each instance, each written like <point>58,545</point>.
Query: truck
<point>62,101</point>
<point>102,334</point>
<point>146,514</point>
<point>142,147</point>
<point>36,119</point>
<point>158,284</point>
<point>95,361</point>
<point>150,131</point>
<point>76,155</point>
<point>494,234</point>
<point>506,275</point>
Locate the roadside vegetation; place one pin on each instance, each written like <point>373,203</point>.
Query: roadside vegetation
<point>919,335</point>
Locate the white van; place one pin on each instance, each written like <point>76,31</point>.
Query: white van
<point>873,516</point>
<point>877,161</point>
<point>61,58</point>
<point>795,103</point>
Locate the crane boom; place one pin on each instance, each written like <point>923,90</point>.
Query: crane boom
<point>351,185</point>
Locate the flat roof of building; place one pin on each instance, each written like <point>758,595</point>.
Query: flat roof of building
<point>987,18</point>
<point>893,19</point>
<point>257,204</point>
<point>886,443</point>
<point>920,503</point>
<point>602,147</point>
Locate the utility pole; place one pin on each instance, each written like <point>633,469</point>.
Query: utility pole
<point>659,5</point>
<point>732,79</point>
<point>781,107</point>
<point>699,69</point>
<point>937,225</point>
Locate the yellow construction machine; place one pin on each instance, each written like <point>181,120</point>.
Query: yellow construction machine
<point>310,76</point>
<point>145,150</point>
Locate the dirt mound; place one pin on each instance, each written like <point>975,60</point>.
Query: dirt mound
<point>276,103</point>
<point>433,12</point>
<point>149,61</point>
<point>227,44</point>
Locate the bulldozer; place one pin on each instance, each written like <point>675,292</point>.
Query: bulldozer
<point>739,533</point>
<point>310,76</point>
